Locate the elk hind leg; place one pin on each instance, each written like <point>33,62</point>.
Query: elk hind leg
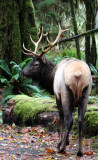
<point>69,122</point>
<point>82,104</point>
<point>61,121</point>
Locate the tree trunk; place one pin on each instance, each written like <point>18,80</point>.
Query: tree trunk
<point>16,21</point>
<point>27,24</point>
<point>90,46</point>
<point>75,29</point>
<point>10,46</point>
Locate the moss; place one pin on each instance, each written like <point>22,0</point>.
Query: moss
<point>90,121</point>
<point>17,21</point>
<point>28,25</point>
<point>28,109</point>
<point>10,31</point>
<point>95,145</point>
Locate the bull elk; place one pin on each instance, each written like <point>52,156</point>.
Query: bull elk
<point>71,82</point>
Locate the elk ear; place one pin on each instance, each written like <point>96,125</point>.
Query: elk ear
<point>43,58</point>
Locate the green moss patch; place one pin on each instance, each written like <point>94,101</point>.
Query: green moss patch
<point>90,121</point>
<point>27,109</point>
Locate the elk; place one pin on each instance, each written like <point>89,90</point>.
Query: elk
<point>71,82</point>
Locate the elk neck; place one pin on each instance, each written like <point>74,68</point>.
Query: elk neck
<point>47,76</point>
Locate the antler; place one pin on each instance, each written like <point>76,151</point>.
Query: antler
<point>53,43</point>
<point>36,46</point>
<point>31,53</point>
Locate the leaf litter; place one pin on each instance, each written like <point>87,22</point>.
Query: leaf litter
<point>36,143</point>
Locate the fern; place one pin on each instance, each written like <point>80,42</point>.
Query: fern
<point>17,84</point>
<point>94,70</point>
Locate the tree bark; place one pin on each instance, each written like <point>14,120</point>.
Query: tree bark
<point>75,29</point>
<point>17,21</point>
<point>10,46</point>
<point>90,46</point>
<point>27,24</point>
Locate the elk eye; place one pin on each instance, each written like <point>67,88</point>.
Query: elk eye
<point>36,64</point>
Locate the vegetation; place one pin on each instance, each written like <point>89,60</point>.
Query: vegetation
<point>14,83</point>
<point>32,106</point>
<point>18,19</point>
<point>90,121</point>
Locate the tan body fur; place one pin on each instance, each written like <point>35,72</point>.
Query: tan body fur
<point>72,86</point>
<point>73,73</point>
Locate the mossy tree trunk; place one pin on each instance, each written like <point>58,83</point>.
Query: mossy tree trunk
<point>27,23</point>
<point>11,28</point>
<point>75,28</point>
<point>90,42</point>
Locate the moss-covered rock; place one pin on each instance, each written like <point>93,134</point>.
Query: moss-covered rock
<point>27,109</point>
<point>90,121</point>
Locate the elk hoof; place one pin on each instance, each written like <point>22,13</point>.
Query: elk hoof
<point>80,154</point>
<point>61,149</point>
<point>58,145</point>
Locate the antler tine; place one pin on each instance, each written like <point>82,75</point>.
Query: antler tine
<point>56,40</point>
<point>36,43</point>
<point>36,46</point>
<point>59,34</point>
<point>27,50</point>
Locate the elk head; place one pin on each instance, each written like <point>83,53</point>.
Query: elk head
<point>40,66</point>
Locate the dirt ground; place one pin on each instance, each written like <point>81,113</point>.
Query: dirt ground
<point>36,143</point>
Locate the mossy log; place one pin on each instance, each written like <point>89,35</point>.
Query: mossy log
<point>24,110</point>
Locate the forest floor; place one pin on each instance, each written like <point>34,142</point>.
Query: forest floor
<point>37,143</point>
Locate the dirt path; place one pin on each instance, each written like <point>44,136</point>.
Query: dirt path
<point>37,144</point>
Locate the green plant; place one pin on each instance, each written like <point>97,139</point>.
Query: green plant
<point>94,70</point>
<point>14,83</point>
<point>95,73</point>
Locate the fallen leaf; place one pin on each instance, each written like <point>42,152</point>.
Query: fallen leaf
<point>8,127</point>
<point>50,150</point>
<point>88,152</point>
<point>55,120</point>
<point>25,130</point>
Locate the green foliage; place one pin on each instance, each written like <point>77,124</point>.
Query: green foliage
<point>68,53</point>
<point>93,99</point>
<point>14,83</point>
<point>94,70</point>
<point>95,78</point>
<point>47,13</point>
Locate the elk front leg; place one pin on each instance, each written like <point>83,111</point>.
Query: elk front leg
<point>61,121</point>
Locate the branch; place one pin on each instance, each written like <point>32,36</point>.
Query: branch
<point>80,35</point>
